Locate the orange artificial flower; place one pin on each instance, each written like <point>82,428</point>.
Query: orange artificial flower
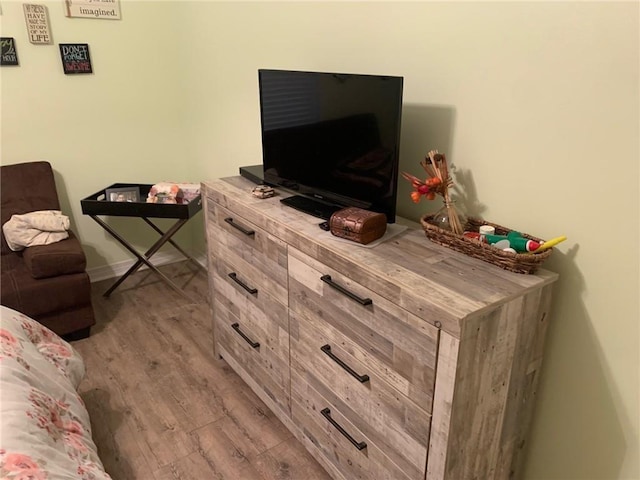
<point>428,188</point>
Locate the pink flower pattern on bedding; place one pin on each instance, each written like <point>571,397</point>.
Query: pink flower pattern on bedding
<point>45,428</point>
<point>17,466</point>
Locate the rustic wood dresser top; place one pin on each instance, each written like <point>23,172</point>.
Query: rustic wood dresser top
<point>442,286</point>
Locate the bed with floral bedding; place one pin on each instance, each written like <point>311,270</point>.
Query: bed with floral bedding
<point>45,432</point>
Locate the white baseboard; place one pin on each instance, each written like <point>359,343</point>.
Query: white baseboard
<point>119,268</point>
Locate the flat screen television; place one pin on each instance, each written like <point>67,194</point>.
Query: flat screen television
<point>332,139</point>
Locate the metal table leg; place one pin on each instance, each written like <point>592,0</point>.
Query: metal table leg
<point>143,259</point>
<point>175,245</point>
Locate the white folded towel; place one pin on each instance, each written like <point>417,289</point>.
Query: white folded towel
<point>35,228</point>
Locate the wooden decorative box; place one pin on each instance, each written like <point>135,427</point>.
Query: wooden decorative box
<point>362,226</point>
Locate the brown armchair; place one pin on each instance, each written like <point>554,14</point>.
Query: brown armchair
<point>46,282</point>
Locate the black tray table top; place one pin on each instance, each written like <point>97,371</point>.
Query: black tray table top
<point>97,204</point>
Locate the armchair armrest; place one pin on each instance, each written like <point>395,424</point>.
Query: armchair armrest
<point>59,258</point>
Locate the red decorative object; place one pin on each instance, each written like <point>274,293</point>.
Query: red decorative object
<point>437,182</point>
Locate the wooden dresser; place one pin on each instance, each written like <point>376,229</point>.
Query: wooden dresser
<point>402,361</point>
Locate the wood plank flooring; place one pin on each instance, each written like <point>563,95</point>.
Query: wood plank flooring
<point>162,406</point>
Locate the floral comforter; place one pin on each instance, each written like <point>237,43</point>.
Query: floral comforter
<point>45,432</point>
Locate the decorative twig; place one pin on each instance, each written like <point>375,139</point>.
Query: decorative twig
<point>439,182</point>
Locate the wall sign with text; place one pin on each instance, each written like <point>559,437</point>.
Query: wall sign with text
<point>37,19</point>
<point>100,9</point>
<point>8,53</point>
<point>75,58</point>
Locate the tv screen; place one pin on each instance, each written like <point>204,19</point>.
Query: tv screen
<point>333,138</point>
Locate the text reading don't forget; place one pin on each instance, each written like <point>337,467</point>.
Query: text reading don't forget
<point>75,52</point>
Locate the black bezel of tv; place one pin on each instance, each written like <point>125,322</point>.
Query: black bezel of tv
<point>347,158</point>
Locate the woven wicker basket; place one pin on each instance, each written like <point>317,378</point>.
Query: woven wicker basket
<point>514,262</point>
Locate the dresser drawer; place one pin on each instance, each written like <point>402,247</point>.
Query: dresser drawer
<point>340,437</point>
<point>255,256</point>
<point>321,357</point>
<point>396,346</point>
<point>252,332</point>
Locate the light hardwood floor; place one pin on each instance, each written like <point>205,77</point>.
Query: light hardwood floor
<point>161,406</point>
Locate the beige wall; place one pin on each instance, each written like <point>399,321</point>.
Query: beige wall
<point>124,123</point>
<point>536,103</point>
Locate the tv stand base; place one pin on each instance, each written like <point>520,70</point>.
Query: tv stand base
<point>310,206</point>
<point>255,173</point>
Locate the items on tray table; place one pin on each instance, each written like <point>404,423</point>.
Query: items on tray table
<point>167,192</point>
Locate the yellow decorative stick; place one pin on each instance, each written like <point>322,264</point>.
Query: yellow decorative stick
<point>550,243</point>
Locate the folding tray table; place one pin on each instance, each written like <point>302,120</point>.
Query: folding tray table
<point>97,204</point>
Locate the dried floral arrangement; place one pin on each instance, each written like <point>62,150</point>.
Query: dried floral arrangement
<point>451,234</point>
<point>438,182</point>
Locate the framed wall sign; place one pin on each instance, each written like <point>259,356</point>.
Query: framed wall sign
<point>75,58</point>
<point>37,19</point>
<point>100,9</point>
<point>8,53</point>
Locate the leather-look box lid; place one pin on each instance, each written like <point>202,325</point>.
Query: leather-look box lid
<point>357,224</point>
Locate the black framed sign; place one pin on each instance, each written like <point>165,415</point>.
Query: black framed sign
<point>8,53</point>
<point>75,58</point>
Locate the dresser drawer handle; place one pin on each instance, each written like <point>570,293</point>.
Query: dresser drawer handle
<point>234,277</point>
<point>341,289</point>
<point>253,344</point>
<point>326,413</point>
<point>246,231</point>
<point>361,378</point>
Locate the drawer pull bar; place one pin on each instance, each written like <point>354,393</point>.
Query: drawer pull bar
<point>246,231</point>
<point>326,413</point>
<point>253,344</point>
<point>341,289</point>
<point>234,277</point>
<point>361,378</point>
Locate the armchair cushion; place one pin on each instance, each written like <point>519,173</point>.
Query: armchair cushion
<point>59,258</point>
